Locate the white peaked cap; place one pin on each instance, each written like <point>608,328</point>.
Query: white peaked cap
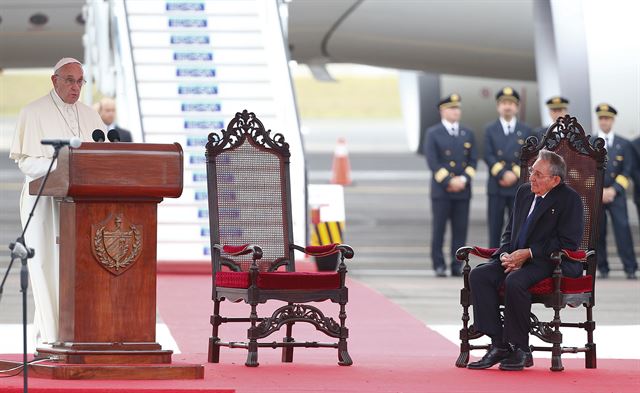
<point>63,62</point>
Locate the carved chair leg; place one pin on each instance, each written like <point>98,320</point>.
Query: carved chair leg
<point>214,348</point>
<point>465,296</point>
<point>556,360</point>
<point>252,355</point>
<point>590,358</point>
<point>463,358</point>
<point>556,350</point>
<point>344,359</point>
<point>287,352</point>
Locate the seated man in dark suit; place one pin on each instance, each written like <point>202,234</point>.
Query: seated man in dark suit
<point>547,216</point>
<point>106,108</point>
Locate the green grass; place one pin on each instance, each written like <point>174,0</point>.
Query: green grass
<point>349,97</point>
<point>17,90</point>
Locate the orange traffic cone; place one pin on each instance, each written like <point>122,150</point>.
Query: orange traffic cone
<point>341,166</point>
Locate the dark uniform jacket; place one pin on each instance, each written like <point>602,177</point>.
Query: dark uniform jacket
<point>540,131</point>
<point>557,223</point>
<point>619,164</point>
<point>449,156</point>
<point>125,135</point>
<point>502,153</point>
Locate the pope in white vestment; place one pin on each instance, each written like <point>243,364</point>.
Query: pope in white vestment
<point>57,115</point>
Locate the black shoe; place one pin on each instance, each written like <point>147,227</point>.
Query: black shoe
<point>456,273</point>
<point>631,276</point>
<point>517,360</point>
<point>604,275</point>
<point>493,356</point>
<point>440,272</point>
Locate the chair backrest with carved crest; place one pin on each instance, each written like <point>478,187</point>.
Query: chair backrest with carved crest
<point>586,164</point>
<point>249,193</point>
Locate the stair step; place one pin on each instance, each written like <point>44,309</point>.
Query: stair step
<point>196,89</point>
<point>199,56</point>
<point>164,39</point>
<point>193,23</point>
<point>217,7</point>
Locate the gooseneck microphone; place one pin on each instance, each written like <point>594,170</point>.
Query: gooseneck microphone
<point>113,136</point>
<point>73,142</point>
<point>97,135</point>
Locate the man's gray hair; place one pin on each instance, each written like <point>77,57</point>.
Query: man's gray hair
<point>556,163</point>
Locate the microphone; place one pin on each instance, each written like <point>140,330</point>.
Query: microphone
<point>19,250</point>
<point>113,136</point>
<point>73,142</point>
<point>98,135</point>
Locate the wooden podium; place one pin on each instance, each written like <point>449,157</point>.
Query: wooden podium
<point>108,217</point>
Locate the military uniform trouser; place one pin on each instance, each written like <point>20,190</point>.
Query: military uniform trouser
<point>622,233</point>
<point>457,211</point>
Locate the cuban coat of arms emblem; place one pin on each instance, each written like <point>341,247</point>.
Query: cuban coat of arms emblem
<point>117,244</point>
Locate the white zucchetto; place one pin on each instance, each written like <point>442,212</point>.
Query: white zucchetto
<point>63,62</point>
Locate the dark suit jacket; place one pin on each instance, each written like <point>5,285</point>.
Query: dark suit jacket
<point>449,156</point>
<point>502,153</point>
<point>558,223</point>
<point>125,135</point>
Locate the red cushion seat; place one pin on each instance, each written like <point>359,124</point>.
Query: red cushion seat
<point>281,280</point>
<point>567,285</point>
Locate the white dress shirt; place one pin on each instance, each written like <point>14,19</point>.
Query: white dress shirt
<point>508,126</point>
<point>452,128</point>
<point>608,138</point>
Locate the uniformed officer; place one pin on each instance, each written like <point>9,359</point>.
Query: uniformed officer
<point>558,107</point>
<point>503,142</point>
<point>452,157</point>
<point>616,181</point>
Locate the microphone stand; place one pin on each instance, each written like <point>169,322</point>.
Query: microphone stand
<point>19,250</point>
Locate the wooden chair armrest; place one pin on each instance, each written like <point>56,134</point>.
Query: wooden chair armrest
<point>241,250</point>
<point>574,255</point>
<point>578,255</point>
<point>462,254</point>
<point>345,250</point>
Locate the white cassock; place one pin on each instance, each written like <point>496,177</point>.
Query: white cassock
<point>46,118</point>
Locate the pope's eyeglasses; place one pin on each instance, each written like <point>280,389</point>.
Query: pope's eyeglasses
<point>71,81</point>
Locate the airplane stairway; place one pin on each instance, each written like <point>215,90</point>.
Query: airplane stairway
<point>194,64</point>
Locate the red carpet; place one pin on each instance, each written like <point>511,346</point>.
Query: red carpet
<point>392,352</point>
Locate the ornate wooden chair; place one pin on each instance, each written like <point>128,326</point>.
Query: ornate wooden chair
<point>585,173</point>
<point>252,250</point>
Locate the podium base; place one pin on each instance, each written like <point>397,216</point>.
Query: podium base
<point>111,361</point>
<point>55,370</point>
<point>106,355</point>
<point>62,371</point>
